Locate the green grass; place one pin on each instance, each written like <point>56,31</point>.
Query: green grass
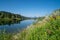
<point>49,30</point>
<point>5,36</point>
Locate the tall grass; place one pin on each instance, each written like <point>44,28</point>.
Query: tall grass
<point>5,36</point>
<point>49,30</point>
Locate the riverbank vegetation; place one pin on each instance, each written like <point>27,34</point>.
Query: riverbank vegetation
<point>46,29</point>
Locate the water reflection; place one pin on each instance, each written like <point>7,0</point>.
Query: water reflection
<point>9,22</point>
<point>14,26</point>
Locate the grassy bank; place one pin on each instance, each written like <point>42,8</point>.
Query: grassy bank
<point>5,36</point>
<point>47,29</point>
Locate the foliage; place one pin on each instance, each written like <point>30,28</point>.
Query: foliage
<point>11,16</point>
<point>5,36</point>
<point>49,30</point>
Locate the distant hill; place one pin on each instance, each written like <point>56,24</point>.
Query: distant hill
<point>11,16</point>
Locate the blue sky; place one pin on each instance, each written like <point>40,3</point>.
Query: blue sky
<point>30,8</point>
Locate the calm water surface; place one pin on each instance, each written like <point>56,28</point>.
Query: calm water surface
<point>16,27</point>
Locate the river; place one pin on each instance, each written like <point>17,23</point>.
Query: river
<point>15,27</point>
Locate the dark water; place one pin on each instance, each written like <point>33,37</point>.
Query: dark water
<point>13,27</point>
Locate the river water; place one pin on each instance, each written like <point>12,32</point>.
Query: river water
<point>15,27</point>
